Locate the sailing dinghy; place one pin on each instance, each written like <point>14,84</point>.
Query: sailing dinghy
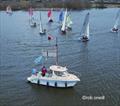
<point>41,30</point>
<point>50,16</point>
<point>85,29</point>
<point>115,27</point>
<point>32,20</point>
<point>56,76</point>
<point>8,10</point>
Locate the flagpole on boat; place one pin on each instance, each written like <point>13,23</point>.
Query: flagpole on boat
<point>40,26</point>
<point>56,51</point>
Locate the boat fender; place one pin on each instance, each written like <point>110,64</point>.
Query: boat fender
<point>65,84</point>
<point>47,83</point>
<point>55,84</point>
<point>38,82</point>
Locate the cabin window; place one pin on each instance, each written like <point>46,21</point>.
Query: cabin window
<point>59,73</point>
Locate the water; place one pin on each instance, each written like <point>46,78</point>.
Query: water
<point>97,62</point>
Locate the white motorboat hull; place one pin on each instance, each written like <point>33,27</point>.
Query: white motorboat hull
<point>52,83</point>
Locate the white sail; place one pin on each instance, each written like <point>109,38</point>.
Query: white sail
<point>85,28</point>
<point>64,21</point>
<point>40,27</point>
<point>87,31</point>
<point>117,19</point>
<point>68,22</point>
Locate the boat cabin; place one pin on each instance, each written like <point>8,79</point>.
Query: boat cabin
<point>58,70</point>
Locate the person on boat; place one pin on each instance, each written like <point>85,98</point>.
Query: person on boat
<point>114,29</point>
<point>85,37</point>
<point>44,71</point>
<point>34,71</point>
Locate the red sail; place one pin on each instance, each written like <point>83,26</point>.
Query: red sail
<point>49,13</point>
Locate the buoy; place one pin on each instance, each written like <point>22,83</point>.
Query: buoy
<point>49,37</point>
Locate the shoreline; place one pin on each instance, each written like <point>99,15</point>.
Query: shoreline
<point>36,8</point>
<point>16,7</point>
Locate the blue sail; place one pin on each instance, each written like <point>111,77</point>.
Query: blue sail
<point>61,16</point>
<point>39,60</point>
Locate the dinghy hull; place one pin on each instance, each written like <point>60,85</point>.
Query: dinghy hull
<point>50,20</point>
<point>69,28</point>
<point>63,32</point>
<point>33,25</point>
<point>114,30</point>
<point>43,33</point>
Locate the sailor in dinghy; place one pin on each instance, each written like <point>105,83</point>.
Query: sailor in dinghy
<point>115,27</point>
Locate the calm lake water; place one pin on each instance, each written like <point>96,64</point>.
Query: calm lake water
<point>96,63</point>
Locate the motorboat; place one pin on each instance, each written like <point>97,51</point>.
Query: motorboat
<point>56,76</point>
